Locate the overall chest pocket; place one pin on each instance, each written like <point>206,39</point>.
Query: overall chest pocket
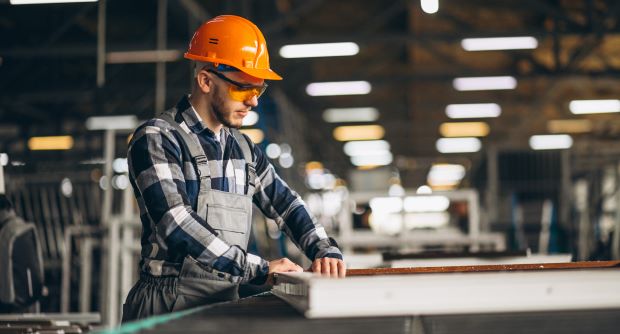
<point>230,215</point>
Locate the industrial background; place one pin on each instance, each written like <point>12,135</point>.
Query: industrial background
<point>493,123</point>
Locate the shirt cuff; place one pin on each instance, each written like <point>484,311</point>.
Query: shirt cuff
<point>257,270</point>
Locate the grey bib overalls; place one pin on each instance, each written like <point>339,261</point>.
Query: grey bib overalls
<point>229,214</point>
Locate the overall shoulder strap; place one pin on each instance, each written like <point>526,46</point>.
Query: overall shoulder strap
<point>194,147</point>
<point>200,161</point>
<point>248,156</point>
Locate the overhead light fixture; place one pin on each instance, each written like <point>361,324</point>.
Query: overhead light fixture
<point>319,50</point>
<point>123,122</point>
<point>551,142</point>
<point>358,132</point>
<point>569,126</point>
<point>338,88</point>
<point>484,83</point>
<point>473,110</point>
<point>429,6</point>
<point>141,57</point>
<point>499,43</point>
<point>250,119</point>
<point>344,115</point>
<point>381,159</point>
<point>50,143</point>
<point>426,203</point>
<point>256,135</point>
<point>424,190</point>
<point>386,204</point>
<point>38,2</point>
<point>426,220</point>
<point>4,159</point>
<point>442,175</point>
<point>458,145</point>
<point>594,106</point>
<point>366,147</point>
<point>464,129</point>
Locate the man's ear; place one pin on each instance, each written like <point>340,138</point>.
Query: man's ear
<point>203,81</point>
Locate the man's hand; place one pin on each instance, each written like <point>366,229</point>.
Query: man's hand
<point>329,267</point>
<point>282,265</point>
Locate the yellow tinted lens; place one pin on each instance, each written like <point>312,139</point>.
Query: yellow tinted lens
<point>244,94</point>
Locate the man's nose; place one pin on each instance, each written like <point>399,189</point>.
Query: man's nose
<point>252,101</point>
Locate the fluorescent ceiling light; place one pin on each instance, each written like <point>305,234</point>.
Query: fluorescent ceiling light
<point>372,160</point>
<point>4,159</point>
<point>338,88</point>
<point>429,6</point>
<point>386,204</point>
<point>250,119</point>
<point>484,83</point>
<point>426,203</point>
<point>125,122</point>
<point>343,115</point>
<point>319,50</point>
<point>473,110</point>
<point>256,135</point>
<point>145,56</point>
<point>458,145</point>
<point>358,132</point>
<point>594,106</point>
<point>551,142</point>
<point>464,129</point>
<point>499,43</point>
<point>569,126</point>
<point>366,147</point>
<point>37,2</point>
<point>50,143</point>
<point>424,190</point>
<point>426,220</point>
<point>445,175</point>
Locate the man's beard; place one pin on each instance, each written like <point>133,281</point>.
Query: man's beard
<point>220,115</point>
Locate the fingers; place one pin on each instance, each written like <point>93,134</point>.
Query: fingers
<point>283,265</point>
<point>316,266</point>
<point>329,267</point>
<point>342,269</point>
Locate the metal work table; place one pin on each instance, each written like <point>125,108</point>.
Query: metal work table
<point>268,314</point>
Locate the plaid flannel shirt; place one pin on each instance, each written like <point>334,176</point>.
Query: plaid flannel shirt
<point>166,185</point>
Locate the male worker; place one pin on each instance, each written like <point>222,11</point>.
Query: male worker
<point>195,177</point>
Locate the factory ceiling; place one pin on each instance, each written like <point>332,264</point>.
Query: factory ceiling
<point>49,83</point>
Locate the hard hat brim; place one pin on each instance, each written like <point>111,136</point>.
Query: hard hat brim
<point>261,73</point>
<point>266,74</point>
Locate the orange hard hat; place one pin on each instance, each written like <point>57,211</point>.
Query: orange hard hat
<point>234,41</point>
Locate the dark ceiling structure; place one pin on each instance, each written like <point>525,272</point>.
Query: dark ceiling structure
<point>56,69</point>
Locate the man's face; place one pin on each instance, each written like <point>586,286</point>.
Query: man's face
<point>226,110</point>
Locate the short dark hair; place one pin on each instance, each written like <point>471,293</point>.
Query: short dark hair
<point>5,204</point>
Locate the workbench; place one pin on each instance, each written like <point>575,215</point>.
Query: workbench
<point>266,313</point>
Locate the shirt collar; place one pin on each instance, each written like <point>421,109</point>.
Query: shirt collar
<point>194,121</point>
<point>190,116</point>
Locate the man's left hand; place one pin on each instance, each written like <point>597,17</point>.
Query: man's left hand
<point>329,267</point>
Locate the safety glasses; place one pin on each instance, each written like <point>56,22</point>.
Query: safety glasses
<point>238,91</point>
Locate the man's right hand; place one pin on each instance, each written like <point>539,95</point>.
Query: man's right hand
<point>282,265</point>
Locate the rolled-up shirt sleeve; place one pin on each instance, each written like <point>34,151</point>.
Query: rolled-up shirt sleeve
<point>156,173</point>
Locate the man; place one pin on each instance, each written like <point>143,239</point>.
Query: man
<point>195,177</point>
